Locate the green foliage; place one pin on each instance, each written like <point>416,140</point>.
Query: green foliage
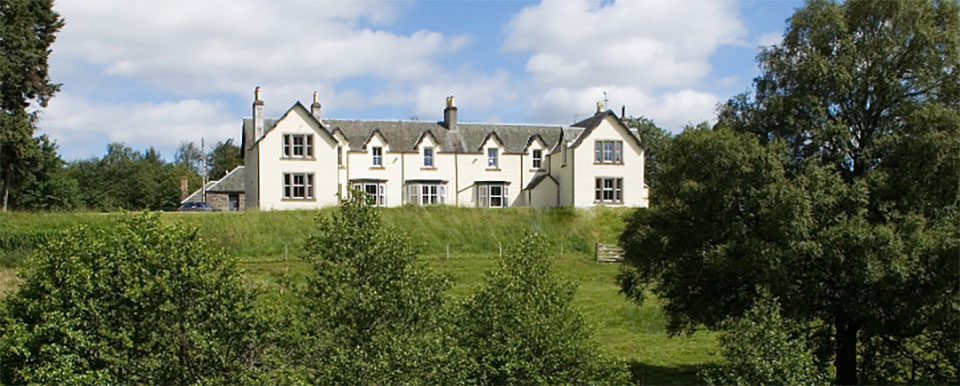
<point>655,142</point>
<point>224,158</point>
<point>368,311</point>
<point>126,179</point>
<point>763,348</point>
<point>844,206</point>
<point>520,327</point>
<point>723,210</point>
<point>50,189</point>
<point>145,303</point>
<point>189,154</point>
<point>28,29</point>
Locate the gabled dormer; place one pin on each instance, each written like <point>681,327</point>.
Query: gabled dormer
<point>428,147</point>
<point>492,149</point>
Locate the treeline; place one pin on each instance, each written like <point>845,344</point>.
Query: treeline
<point>151,303</point>
<point>122,179</point>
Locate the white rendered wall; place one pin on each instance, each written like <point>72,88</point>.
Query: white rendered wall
<point>634,193</point>
<point>272,164</point>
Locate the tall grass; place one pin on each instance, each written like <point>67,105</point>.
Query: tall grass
<point>274,235</point>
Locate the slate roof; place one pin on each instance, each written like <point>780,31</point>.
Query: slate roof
<point>539,178</point>
<point>232,182</point>
<point>404,136</point>
<point>591,123</point>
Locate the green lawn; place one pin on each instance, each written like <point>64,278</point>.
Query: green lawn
<point>636,335</point>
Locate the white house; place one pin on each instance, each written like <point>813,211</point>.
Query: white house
<point>302,160</point>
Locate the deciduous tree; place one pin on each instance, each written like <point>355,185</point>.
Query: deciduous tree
<point>844,203</point>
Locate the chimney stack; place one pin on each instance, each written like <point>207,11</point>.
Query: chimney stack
<point>257,118</point>
<point>599,107</point>
<point>450,115</point>
<point>315,107</point>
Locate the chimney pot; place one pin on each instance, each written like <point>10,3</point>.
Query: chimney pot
<point>450,115</point>
<point>184,187</point>
<point>315,107</point>
<point>599,107</point>
<point>257,130</point>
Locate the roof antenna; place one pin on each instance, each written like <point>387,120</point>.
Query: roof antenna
<point>605,100</point>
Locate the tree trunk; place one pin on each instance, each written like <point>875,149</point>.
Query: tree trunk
<point>6,194</point>
<point>846,353</point>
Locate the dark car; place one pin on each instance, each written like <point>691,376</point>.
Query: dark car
<point>197,207</point>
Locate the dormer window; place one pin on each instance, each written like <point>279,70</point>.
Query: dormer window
<point>377,156</point>
<point>537,159</point>
<point>297,146</point>
<point>493,160</point>
<point>428,157</point>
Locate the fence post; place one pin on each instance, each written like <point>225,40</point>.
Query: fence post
<point>596,250</point>
<point>285,252</point>
<point>561,249</point>
<point>500,247</point>
<point>448,251</point>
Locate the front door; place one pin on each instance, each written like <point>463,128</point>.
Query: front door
<point>233,201</point>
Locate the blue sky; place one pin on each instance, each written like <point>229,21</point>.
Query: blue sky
<point>158,73</point>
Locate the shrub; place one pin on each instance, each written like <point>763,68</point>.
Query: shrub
<point>520,328</point>
<point>368,313</point>
<point>145,303</point>
<point>761,348</point>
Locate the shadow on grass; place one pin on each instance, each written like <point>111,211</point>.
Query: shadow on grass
<point>647,374</point>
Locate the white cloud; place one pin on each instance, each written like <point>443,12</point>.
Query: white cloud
<point>163,125</point>
<point>191,48</point>
<point>197,51</point>
<point>647,54</point>
<point>670,110</point>
<point>770,39</point>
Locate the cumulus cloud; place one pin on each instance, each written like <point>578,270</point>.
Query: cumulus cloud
<point>647,54</point>
<point>203,47</point>
<point>71,120</point>
<point>194,52</point>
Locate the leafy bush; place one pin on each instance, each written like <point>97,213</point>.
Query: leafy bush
<point>761,348</point>
<point>368,313</point>
<point>144,303</point>
<point>520,328</point>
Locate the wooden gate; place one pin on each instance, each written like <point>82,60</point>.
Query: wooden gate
<point>608,253</point>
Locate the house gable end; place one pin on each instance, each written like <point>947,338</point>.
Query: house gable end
<point>305,115</point>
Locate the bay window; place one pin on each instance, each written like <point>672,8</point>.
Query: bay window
<point>376,192</point>
<point>426,194</point>
<point>492,195</point>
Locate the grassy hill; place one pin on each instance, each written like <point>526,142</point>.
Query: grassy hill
<point>269,244</point>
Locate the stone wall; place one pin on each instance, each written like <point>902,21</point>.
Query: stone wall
<point>220,200</point>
